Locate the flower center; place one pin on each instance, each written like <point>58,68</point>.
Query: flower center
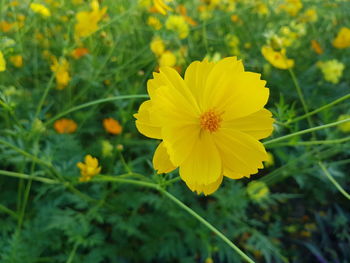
<point>210,121</point>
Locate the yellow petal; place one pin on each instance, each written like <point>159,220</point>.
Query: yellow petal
<point>206,189</point>
<point>2,62</point>
<point>179,141</point>
<point>257,125</point>
<point>203,165</point>
<point>161,160</point>
<point>234,92</point>
<point>240,153</point>
<point>144,122</point>
<point>196,76</point>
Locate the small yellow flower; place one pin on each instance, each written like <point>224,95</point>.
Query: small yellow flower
<point>157,46</point>
<point>210,122</point>
<point>17,61</point>
<point>88,169</point>
<point>292,7</point>
<point>343,38</point>
<point>345,126</point>
<point>310,15</point>
<point>257,190</point>
<point>87,22</point>
<point>167,59</point>
<point>277,59</point>
<point>178,24</point>
<point>2,62</point>
<point>161,7</point>
<point>61,70</point>
<point>40,9</point>
<point>154,23</point>
<point>332,70</point>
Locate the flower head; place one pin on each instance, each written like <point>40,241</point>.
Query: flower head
<point>210,122</point>
<point>79,52</point>
<point>277,59</point>
<point>167,59</point>
<point>161,7</point>
<point>178,24</point>
<point>17,61</point>
<point>40,9</point>
<point>65,126</point>
<point>112,126</point>
<point>343,38</point>
<point>157,46</point>
<point>61,69</point>
<point>2,62</point>
<point>316,47</point>
<point>89,168</point>
<point>332,70</point>
<point>87,22</point>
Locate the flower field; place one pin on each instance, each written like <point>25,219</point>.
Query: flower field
<point>174,131</point>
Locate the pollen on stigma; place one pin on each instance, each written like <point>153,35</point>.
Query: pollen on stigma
<point>210,121</point>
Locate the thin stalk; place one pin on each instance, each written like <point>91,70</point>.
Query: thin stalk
<point>324,107</point>
<point>24,153</point>
<point>321,127</point>
<point>181,205</point>
<point>43,97</point>
<point>28,177</point>
<point>72,253</point>
<point>208,225</point>
<point>8,211</point>
<point>333,181</point>
<point>91,103</point>
<point>334,141</point>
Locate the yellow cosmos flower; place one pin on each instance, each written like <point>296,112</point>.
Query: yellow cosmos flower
<point>87,22</point>
<point>167,59</point>
<point>178,24</point>
<point>210,122</point>
<point>161,7</point>
<point>332,70</point>
<point>88,169</point>
<point>2,62</point>
<point>154,23</point>
<point>40,9</point>
<point>343,38</point>
<point>17,61</point>
<point>277,59</point>
<point>157,46</point>
<point>292,7</point>
<point>61,70</point>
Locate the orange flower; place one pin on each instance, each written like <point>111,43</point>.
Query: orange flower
<point>316,47</point>
<point>182,10</point>
<point>79,52</point>
<point>112,126</point>
<point>65,126</point>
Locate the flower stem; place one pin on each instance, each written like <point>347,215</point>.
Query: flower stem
<point>207,224</point>
<point>321,127</point>
<point>91,103</point>
<point>324,107</point>
<point>333,181</point>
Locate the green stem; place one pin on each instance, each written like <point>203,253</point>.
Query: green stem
<point>91,103</point>
<point>8,211</point>
<point>333,181</point>
<point>42,100</point>
<point>207,224</point>
<point>335,141</point>
<point>180,204</point>
<point>321,127</point>
<point>30,156</point>
<point>72,253</point>
<point>29,177</point>
<point>324,107</point>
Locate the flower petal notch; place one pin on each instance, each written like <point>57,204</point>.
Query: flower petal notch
<point>210,122</point>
